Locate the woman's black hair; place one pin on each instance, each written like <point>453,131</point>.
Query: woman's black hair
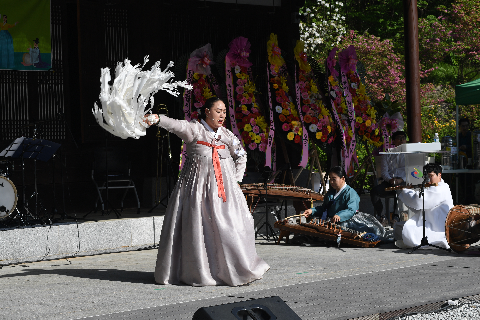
<point>339,171</point>
<point>208,104</point>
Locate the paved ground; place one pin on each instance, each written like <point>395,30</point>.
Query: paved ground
<point>316,282</point>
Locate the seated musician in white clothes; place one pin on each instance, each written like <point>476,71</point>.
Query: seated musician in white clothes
<point>438,202</point>
<point>341,204</point>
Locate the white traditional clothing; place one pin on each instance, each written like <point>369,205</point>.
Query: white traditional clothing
<point>206,240</point>
<point>438,202</point>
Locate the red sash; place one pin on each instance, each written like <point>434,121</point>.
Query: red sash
<point>217,168</point>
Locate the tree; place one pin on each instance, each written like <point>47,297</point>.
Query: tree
<point>454,38</point>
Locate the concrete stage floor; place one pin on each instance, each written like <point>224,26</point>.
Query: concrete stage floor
<point>316,282</point>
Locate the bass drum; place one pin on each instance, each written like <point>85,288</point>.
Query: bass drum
<point>8,198</point>
<point>462,227</point>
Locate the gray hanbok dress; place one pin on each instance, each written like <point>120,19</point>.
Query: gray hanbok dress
<point>206,240</point>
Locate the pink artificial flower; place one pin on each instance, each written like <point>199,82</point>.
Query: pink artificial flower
<point>198,105</point>
<point>253,122</point>
<point>252,145</point>
<point>331,62</point>
<point>286,127</point>
<point>239,52</point>
<point>305,95</point>
<point>197,91</point>
<point>256,129</point>
<point>239,90</point>
<point>245,112</point>
<point>348,59</point>
<point>249,100</point>
<point>244,100</point>
<point>305,108</point>
<point>261,147</point>
<point>254,110</point>
<point>201,59</point>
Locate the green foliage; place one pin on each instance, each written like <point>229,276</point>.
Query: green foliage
<point>444,73</point>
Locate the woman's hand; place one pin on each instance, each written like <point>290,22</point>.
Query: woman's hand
<point>151,119</point>
<point>335,219</point>
<point>307,213</point>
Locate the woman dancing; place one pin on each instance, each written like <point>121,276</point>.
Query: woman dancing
<point>208,233</point>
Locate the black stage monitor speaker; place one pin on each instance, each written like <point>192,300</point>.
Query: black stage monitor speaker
<point>273,308</point>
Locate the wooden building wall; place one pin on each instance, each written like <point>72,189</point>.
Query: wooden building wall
<point>88,35</point>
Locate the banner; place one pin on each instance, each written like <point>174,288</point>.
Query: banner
<point>25,40</point>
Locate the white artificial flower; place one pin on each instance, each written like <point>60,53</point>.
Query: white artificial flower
<point>312,127</point>
<point>333,94</point>
<point>237,69</point>
<point>279,109</point>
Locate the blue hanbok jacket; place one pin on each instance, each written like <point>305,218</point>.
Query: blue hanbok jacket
<point>345,205</point>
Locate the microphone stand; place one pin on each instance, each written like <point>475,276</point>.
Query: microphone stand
<point>424,241</point>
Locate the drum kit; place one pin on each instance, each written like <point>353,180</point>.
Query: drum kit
<point>12,214</point>
<point>8,194</point>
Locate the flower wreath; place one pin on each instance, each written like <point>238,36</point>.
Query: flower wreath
<point>316,117</point>
<point>284,107</point>
<point>342,109</point>
<point>365,114</point>
<point>244,110</point>
<point>388,125</point>
<point>200,77</point>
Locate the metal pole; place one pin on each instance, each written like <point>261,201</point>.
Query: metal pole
<point>412,71</point>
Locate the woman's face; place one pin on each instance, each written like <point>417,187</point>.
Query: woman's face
<point>336,182</point>
<point>215,116</point>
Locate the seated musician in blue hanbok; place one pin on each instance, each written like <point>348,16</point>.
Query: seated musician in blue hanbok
<point>340,206</point>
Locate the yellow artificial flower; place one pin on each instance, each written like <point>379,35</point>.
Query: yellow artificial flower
<point>300,131</point>
<point>376,131</point>
<point>329,129</point>
<point>294,110</point>
<point>195,76</point>
<point>368,123</point>
<point>258,139</point>
<point>294,123</point>
<point>359,119</point>
<point>299,51</point>
<point>274,53</point>
<point>244,107</point>
<point>318,135</point>
<point>361,90</point>
<point>275,86</point>
<point>252,135</point>
<point>262,123</point>
<point>207,93</point>
<point>290,135</point>
<point>247,127</point>
<point>285,112</point>
<point>313,87</point>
